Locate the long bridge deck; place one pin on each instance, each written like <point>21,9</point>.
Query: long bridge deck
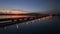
<point>10,19</point>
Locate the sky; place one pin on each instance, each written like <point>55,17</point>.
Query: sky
<point>31,5</point>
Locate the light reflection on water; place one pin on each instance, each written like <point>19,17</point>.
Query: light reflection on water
<point>34,25</point>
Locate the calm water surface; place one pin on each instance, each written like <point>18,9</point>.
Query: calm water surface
<point>48,25</point>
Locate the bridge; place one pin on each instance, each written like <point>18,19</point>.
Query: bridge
<point>10,19</point>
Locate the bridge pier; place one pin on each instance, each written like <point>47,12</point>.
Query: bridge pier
<point>15,20</point>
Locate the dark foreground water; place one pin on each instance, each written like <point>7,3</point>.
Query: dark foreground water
<point>48,25</point>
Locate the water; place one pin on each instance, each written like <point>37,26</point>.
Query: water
<point>12,16</point>
<point>48,25</point>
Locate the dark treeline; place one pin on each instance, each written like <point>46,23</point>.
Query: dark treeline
<point>30,14</point>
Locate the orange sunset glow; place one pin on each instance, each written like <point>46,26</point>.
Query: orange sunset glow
<point>13,11</point>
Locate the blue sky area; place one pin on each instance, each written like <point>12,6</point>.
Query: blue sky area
<point>30,5</point>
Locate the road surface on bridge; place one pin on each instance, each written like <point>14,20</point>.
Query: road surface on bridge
<point>4,20</point>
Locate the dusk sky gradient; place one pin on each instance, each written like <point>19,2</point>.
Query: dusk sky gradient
<point>30,5</point>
